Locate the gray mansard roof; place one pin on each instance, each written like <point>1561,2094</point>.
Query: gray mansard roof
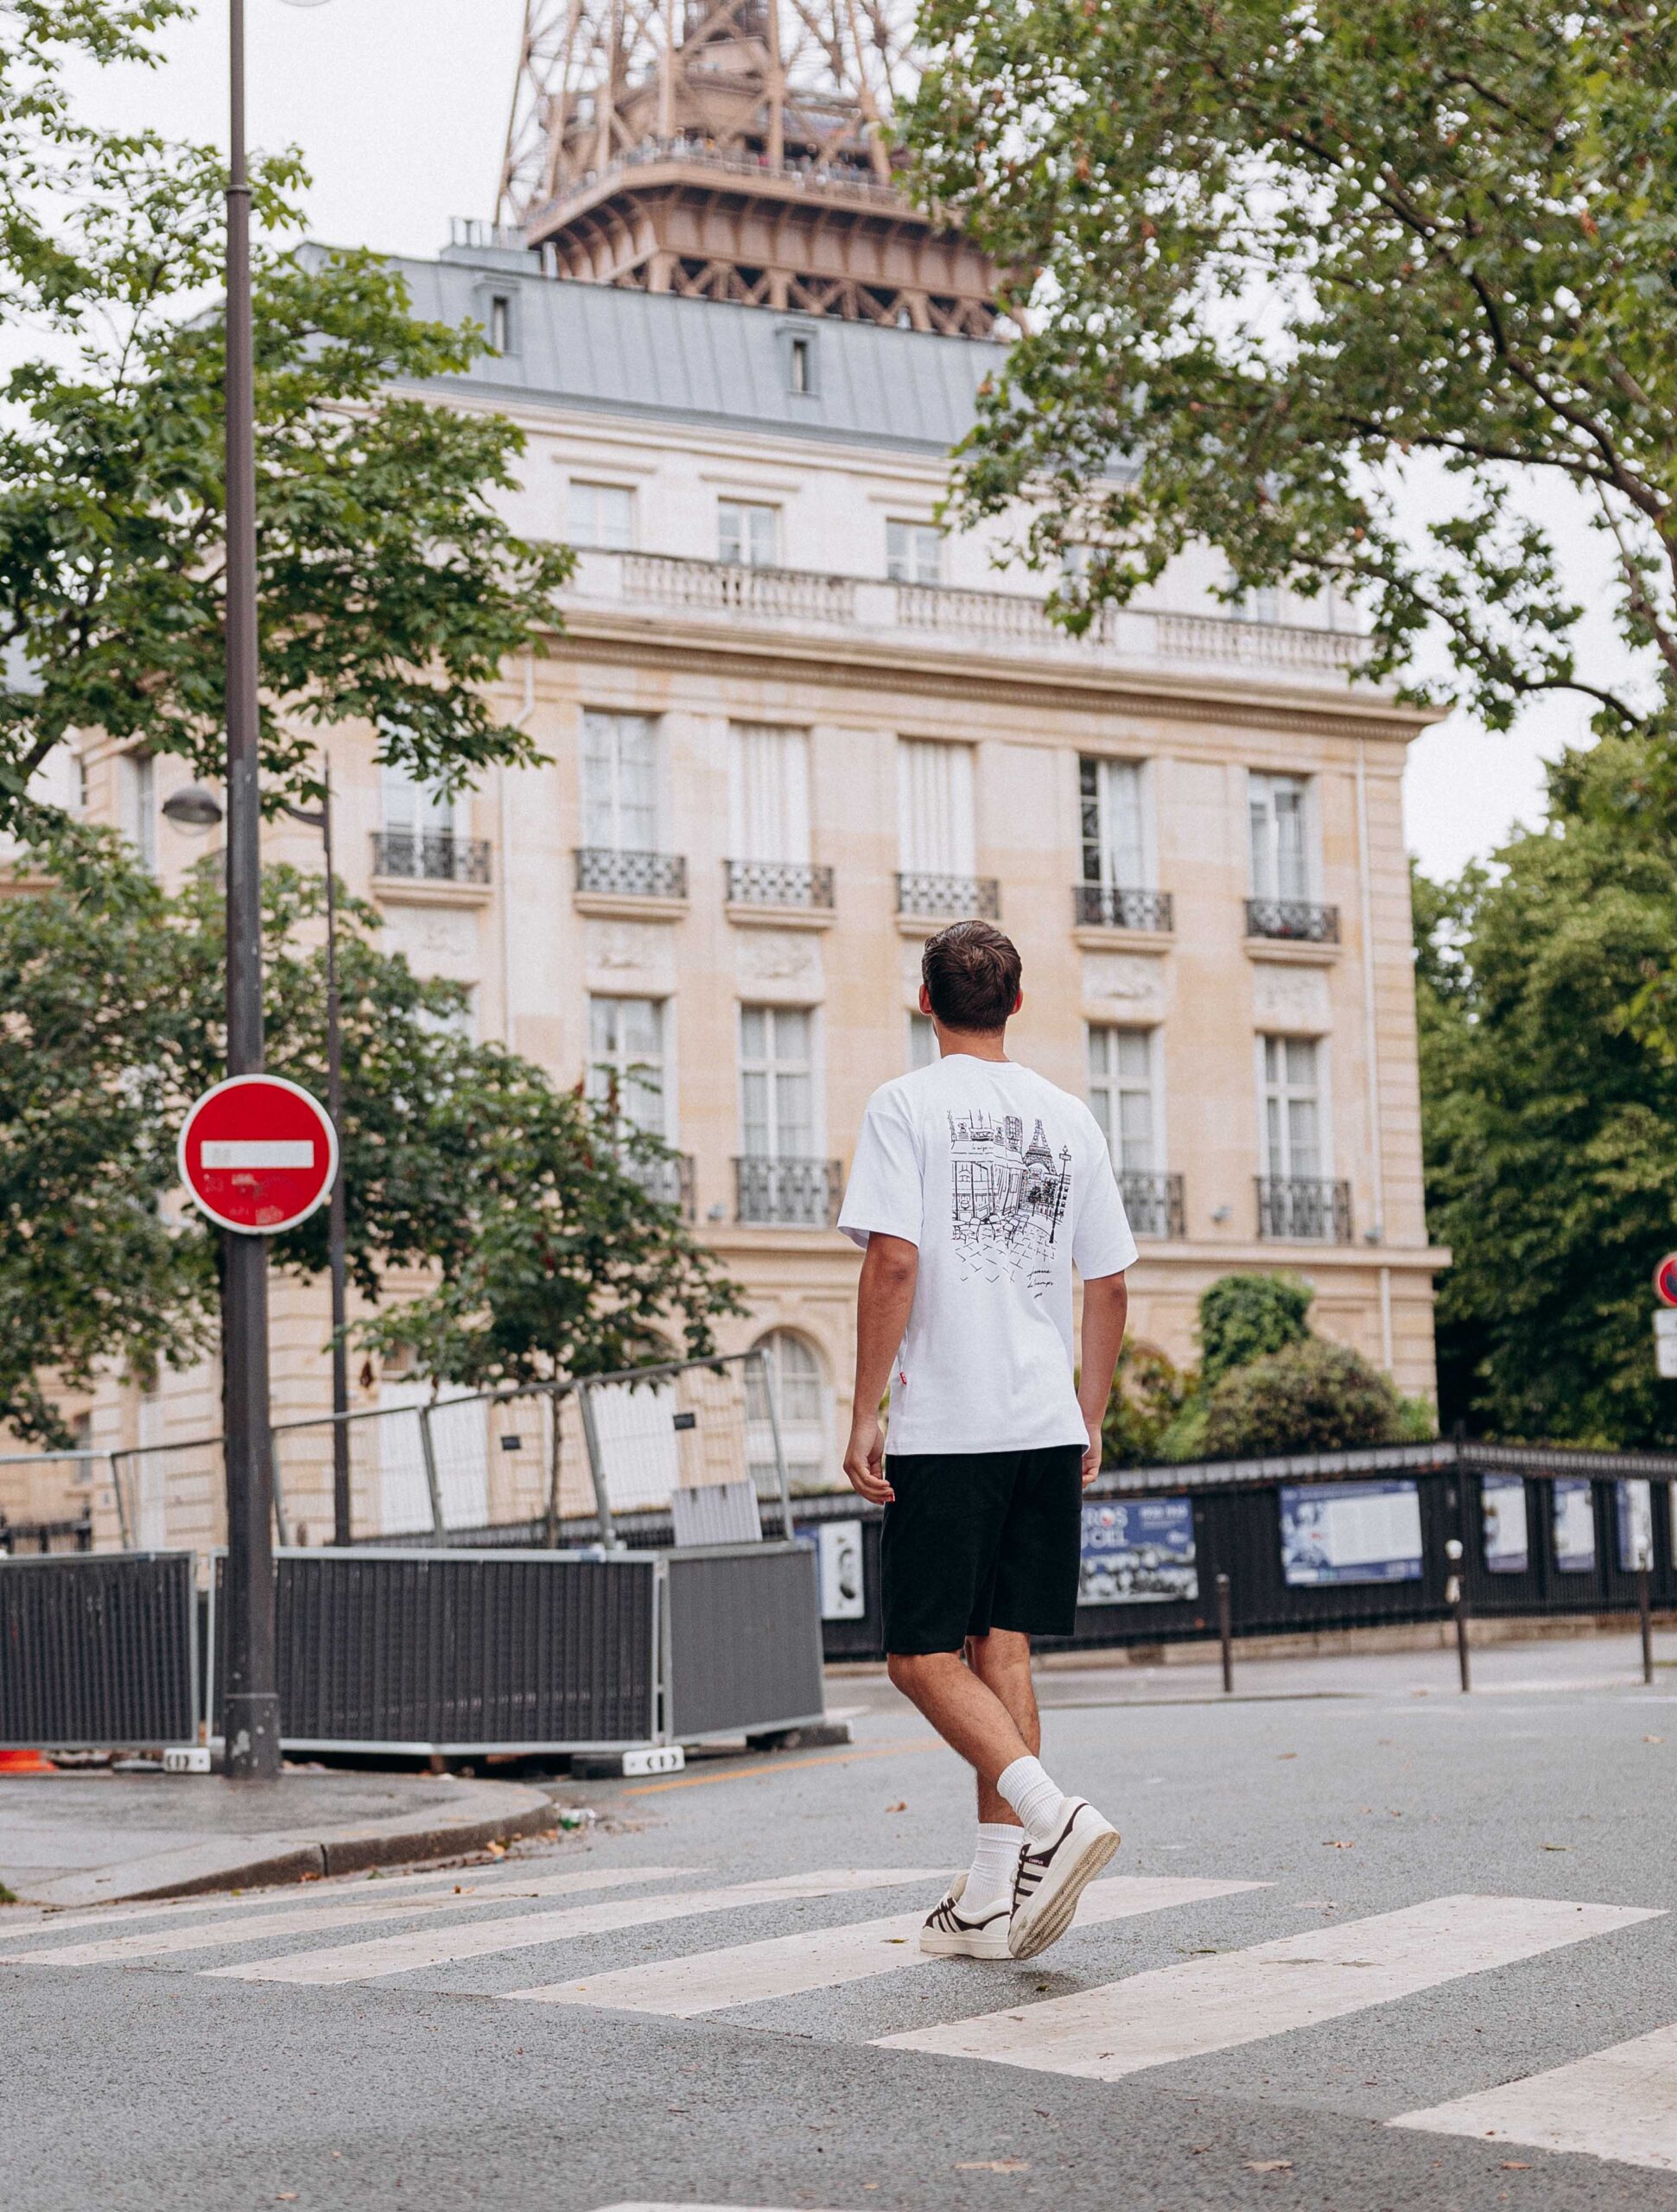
<point>665,357</point>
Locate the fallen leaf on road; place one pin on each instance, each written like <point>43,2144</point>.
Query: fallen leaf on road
<point>1286,1755</point>
<point>1516,2165</point>
<point>286,2197</point>
<point>1269,2165</point>
<point>1328,1844</point>
<point>901,1806</point>
<point>1654,1739</point>
<point>1554,1846</point>
<point>496,1850</point>
<point>993,2166</point>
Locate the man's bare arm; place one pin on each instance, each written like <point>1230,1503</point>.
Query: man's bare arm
<point>1106,1309</point>
<point>884,1296</point>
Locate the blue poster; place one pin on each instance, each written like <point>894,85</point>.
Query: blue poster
<point>1137,1549</point>
<point>1350,1532</point>
<point>1574,1525</point>
<point>1502,1512</point>
<point>1634,1500</point>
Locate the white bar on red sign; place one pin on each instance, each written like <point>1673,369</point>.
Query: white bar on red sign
<point>259,1152</point>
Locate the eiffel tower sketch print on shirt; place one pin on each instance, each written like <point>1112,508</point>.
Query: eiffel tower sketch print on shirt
<point>1006,1199</point>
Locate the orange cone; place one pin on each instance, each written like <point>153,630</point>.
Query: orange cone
<point>25,1763</point>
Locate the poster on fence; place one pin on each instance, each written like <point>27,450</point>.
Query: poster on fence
<point>1350,1532</point>
<point>837,1547</point>
<point>1138,1550</point>
<point>1502,1512</point>
<point>1634,1499</point>
<point>1574,1525</point>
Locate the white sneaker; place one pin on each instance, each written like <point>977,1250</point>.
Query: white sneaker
<point>947,1935</point>
<point>1052,1876</point>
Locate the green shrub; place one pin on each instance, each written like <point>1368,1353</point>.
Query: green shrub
<point>1243,1317</point>
<point>1309,1396</point>
<point>1148,1393</point>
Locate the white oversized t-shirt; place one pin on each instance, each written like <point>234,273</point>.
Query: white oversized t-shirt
<point>1004,1183</point>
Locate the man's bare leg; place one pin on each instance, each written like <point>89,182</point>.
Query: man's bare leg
<point>1001,1661</point>
<point>964,1710</point>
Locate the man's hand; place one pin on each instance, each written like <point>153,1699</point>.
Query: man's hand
<point>1091,1452</point>
<point>864,1460</point>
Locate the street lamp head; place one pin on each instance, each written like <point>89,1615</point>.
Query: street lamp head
<point>192,807</point>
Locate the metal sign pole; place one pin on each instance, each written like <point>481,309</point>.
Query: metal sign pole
<point>252,1701</point>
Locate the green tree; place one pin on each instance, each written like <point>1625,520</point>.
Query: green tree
<point>526,1203</point>
<point>1149,1392</point>
<point>1549,1096</point>
<point>1310,1397</point>
<point>1242,1317</point>
<point>391,589</point>
<point>1273,255</point>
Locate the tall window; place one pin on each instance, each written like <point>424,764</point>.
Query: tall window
<point>795,1384</point>
<point>1278,811</point>
<point>137,805</point>
<point>1293,1109</point>
<point>768,793</point>
<point>935,807</point>
<point>776,1083</point>
<point>914,553</point>
<point>602,517</point>
<point>1121,1095</point>
<point>1113,828</point>
<point>747,532</point>
<point>922,1041</point>
<point>413,808</point>
<point>620,782</point>
<point>626,1061</point>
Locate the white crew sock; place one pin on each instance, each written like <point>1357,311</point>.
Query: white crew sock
<point>1039,1800</point>
<point>990,1880</point>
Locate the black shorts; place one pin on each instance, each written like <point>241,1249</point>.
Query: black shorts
<point>980,1540</point>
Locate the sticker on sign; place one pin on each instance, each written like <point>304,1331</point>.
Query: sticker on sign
<point>257,1154</point>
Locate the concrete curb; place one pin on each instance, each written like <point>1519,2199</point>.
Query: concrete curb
<point>491,1812</point>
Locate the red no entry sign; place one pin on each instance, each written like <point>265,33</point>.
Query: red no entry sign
<point>258,1154</point>
<point>1665,1280</point>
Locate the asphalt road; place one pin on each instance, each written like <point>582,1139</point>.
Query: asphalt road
<point>1286,1881</point>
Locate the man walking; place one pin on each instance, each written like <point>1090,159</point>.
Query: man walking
<point>977,1186</point>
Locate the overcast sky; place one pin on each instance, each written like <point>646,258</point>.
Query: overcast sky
<point>400,108</point>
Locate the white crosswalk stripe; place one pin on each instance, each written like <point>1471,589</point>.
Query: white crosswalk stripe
<point>1618,2104</point>
<point>1214,2004</point>
<point>405,1953</point>
<point>260,1927</point>
<point>825,1958</point>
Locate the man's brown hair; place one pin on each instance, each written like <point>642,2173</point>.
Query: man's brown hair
<point>971,973</point>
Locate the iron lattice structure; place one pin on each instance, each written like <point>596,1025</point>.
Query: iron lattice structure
<point>734,149</point>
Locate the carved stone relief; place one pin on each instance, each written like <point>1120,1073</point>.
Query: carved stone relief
<point>436,940</point>
<point>779,964</point>
<point>1128,983</point>
<point>618,953</point>
<point>1294,999</point>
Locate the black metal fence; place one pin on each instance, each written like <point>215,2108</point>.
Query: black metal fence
<point>1338,1540</point>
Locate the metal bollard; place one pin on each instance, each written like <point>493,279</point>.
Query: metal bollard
<point>1226,1634</point>
<point>1645,1606</point>
<point>1456,1598</point>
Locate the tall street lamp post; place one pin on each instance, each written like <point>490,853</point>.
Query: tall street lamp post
<point>251,1703</point>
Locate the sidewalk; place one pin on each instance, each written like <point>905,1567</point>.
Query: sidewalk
<point>93,1838</point>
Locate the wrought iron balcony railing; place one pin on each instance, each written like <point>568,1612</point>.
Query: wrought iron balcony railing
<point>1301,919</point>
<point>1304,1209</point>
<point>604,870</point>
<point>1109,907</point>
<point>433,855</point>
<point>779,883</point>
<point>787,1193</point>
<point>667,1177</point>
<point>1153,1204</point>
<point>948,898</point>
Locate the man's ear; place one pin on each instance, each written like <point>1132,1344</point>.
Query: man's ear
<point>1019,1001</point>
<point>924,999</point>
